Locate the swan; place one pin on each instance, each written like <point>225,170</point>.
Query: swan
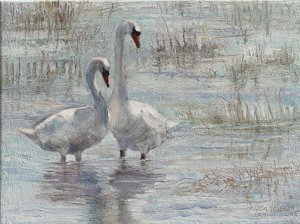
<point>135,125</point>
<point>73,130</point>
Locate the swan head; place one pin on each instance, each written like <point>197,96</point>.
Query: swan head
<point>134,30</point>
<point>102,64</point>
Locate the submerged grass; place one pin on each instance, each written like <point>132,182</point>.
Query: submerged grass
<point>261,180</point>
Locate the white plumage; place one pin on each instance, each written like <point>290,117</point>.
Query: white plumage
<point>135,125</point>
<point>73,130</point>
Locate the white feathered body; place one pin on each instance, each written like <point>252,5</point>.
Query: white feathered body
<point>135,125</point>
<point>71,130</point>
<point>139,127</point>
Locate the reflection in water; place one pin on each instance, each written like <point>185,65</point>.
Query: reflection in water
<point>73,184</point>
<point>130,181</point>
<point>104,197</point>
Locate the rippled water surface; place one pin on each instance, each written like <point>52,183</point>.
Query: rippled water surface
<point>228,71</point>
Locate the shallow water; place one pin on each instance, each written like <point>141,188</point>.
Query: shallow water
<point>207,172</point>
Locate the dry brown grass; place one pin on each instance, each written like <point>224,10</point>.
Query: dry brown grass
<point>262,180</point>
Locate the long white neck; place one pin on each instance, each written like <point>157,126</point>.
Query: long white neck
<point>99,101</point>
<point>120,91</point>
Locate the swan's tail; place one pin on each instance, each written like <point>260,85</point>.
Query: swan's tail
<point>172,127</point>
<point>27,131</point>
<point>178,129</point>
<point>172,124</point>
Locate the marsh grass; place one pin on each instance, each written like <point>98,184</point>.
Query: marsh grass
<point>55,23</point>
<point>243,106</point>
<point>47,15</point>
<point>234,110</point>
<point>242,17</point>
<point>41,72</point>
<point>46,40</point>
<point>176,42</point>
<point>266,181</point>
<point>285,56</point>
<point>261,108</point>
<point>180,43</point>
<point>50,16</point>
<point>184,43</point>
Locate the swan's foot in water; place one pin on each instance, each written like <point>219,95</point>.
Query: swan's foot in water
<point>63,159</point>
<point>143,156</point>
<point>122,153</point>
<point>78,157</point>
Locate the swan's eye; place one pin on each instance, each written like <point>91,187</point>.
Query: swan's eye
<point>134,32</point>
<point>106,71</point>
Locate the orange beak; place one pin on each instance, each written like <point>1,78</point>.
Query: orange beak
<point>136,40</point>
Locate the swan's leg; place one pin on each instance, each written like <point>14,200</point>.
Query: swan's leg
<point>63,153</point>
<point>143,156</point>
<point>122,148</point>
<point>63,158</point>
<point>122,153</point>
<point>78,156</point>
<point>143,151</point>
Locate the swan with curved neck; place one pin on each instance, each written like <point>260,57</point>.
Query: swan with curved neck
<point>135,125</point>
<point>127,27</point>
<point>73,130</point>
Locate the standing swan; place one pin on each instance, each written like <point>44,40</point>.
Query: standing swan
<point>135,125</point>
<point>73,130</point>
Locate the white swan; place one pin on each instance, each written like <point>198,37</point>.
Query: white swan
<point>73,130</point>
<point>135,125</point>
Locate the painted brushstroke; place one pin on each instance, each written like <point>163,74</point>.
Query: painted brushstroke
<point>228,70</point>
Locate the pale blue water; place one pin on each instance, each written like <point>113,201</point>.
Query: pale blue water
<point>206,173</point>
